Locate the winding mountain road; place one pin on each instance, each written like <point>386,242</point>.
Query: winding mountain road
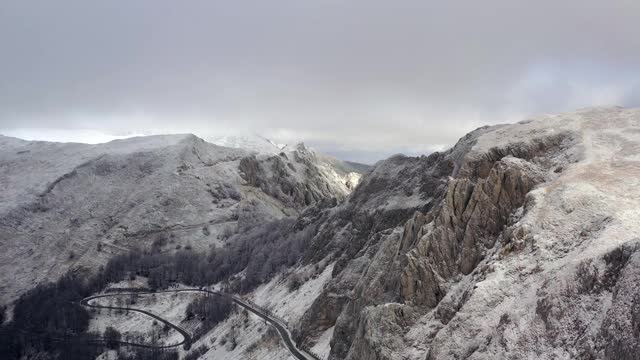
<point>281,327</point>
<point>186,337</point>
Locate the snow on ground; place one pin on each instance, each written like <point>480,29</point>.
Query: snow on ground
<point>169,306</point>
<point>250,142</point>
<point>133,325</point>
<point>137,282</point>
<point>401,201</point>
<point>30,166</point>
<point>588,210</point>
<point>108,355</point>
<point>253,339</point>
<point>291,305</point>
<point>323,346</point>
<point>67,206</point>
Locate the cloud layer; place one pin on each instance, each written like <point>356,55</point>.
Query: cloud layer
<point>357,78</point>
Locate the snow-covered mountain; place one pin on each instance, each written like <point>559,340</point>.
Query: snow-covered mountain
<point>345,172</point>
<point>66,206</point>
<point>521,241</point>
<point>251,142</point>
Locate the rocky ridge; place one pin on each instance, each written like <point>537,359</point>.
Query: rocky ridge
<point>521,241</point>
<point>343,173</point>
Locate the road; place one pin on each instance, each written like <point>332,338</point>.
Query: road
<point>186,337</point>
<point>284,333</point>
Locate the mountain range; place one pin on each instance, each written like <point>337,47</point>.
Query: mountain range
<point>519,242</point>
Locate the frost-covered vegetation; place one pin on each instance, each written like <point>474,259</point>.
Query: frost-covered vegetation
<point>49,318</point>
<point>209,310</point>
<point>260,252</point>
<point>81,204</point>
<point>196,353</point>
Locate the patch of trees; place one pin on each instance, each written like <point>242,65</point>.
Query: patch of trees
<point>197,353</point>
<point>159,242</point>
<point>185,266</point>
<point>112,337</point>
<point>294,282</point>
<point>49,319</point>
<point>161,269</point>
<point>209,310</point>
<point>261,252</point>
<point>36,310</point>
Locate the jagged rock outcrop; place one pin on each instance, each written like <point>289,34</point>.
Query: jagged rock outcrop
<point>523,245</point>
<point>352,179</point>
<point>465,227</point>
<point>298,176</point>
<point>353,233</point>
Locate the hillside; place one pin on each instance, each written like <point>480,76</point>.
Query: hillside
<point>72,206</point>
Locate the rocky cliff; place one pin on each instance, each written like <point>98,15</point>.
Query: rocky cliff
<point>298,176</point>
<point>519,242</point>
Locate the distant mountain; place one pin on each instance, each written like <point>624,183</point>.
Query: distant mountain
<point>249,142</point>
<point>346,172</point>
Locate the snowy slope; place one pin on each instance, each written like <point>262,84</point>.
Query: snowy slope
<point>254,143</point>
<point>70,206</point>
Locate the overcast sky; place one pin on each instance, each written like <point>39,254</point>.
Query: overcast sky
<point>361,79</point>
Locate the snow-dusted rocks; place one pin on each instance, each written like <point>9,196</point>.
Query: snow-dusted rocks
<point>520,242</point>
<point>297,176</point>
<point>344,174</point>
<point>249,142</point>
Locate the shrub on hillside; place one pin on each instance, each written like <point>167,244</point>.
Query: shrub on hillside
<point>112,337</point>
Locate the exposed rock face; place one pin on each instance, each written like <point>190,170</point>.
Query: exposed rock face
<point>520,242</point>
<point>298,176</point>
<point>465,227</point>
<point>359,236</point>
<point>66,206</point>
<point>352,180</point>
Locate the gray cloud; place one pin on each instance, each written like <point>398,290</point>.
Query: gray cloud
<point>366,78</point>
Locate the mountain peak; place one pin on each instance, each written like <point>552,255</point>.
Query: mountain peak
<point>251,142</point>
